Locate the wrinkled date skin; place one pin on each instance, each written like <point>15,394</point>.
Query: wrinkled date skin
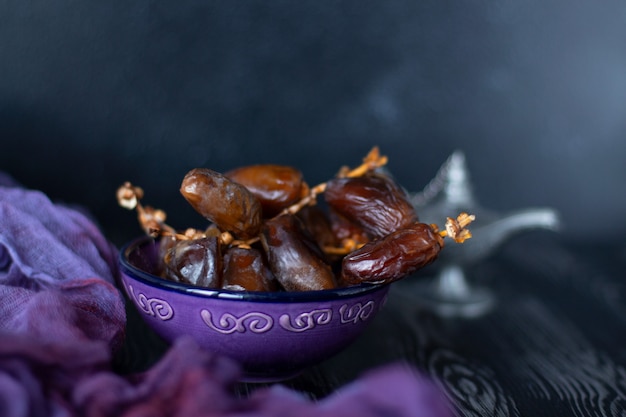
<point>245,270</point>
<point>294,257</point>
<point>197,262</point>
<point>392,257</point>
<point>373,202</point>
<point>276,186</point>
<point>222,201</point>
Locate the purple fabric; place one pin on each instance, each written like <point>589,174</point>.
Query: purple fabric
<point>62,317</point>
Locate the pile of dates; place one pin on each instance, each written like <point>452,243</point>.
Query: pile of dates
<point>268,230</point>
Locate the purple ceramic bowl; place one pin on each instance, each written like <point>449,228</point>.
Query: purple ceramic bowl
<point>273,335</point>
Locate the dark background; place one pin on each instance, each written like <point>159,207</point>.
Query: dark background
<point>534,92</point>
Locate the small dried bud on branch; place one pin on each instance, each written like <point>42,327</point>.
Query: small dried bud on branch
<point>128,195</point>
<point>456,228</point>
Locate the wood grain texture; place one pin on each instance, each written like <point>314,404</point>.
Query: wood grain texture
<point>553,345</point>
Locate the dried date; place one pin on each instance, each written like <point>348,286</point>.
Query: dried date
<point>245,270</point>
<point>392,257</point>
<point>374,202</point>
<point>294,257</point>
<point>276,186</point>
<point>195,261</point>
<point>224,202</point>
<point>345,230</point>
<point>318,224</point>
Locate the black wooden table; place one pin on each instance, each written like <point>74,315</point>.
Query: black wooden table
<point>553,344</point>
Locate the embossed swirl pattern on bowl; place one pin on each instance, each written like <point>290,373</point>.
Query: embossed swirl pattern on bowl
<point>270,334</point>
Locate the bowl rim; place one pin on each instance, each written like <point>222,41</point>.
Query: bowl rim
<point>152,280</point>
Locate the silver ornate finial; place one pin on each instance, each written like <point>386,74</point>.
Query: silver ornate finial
<point>449,194</point>
<point>451,184</point>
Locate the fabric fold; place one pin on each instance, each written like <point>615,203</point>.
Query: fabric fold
<point>58,272</point>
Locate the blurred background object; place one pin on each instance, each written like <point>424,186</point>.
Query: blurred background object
<point>447,195</point>
<point>94,94</point>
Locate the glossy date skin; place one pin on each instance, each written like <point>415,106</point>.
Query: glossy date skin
<point>197,262</point>
<point>276,186</point>
<point>392,257</point>
<point>318,224</point>
<point>294,257</point>
<point>373,202</point>
<point>367,231</point>
<point>246,270</point>
<point>344,229</point>
<point>222,201</point>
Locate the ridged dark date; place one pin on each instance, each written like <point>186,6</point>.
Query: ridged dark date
<point>222,201</point>
<point>392,257</point>
<point>294,257</point>
<point>276,186</point>
<point>373,202</point>
<point>197,262</point>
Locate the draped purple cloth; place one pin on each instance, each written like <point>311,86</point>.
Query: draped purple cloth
<point>62,318</point>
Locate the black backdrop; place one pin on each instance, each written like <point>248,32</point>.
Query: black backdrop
<point>534,92</point>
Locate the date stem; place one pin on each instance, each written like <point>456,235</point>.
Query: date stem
<point>348,245</point>
<point>151,220</point>
<point>310,198</point>
<point>373,160</point>
<point>456,228</point>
